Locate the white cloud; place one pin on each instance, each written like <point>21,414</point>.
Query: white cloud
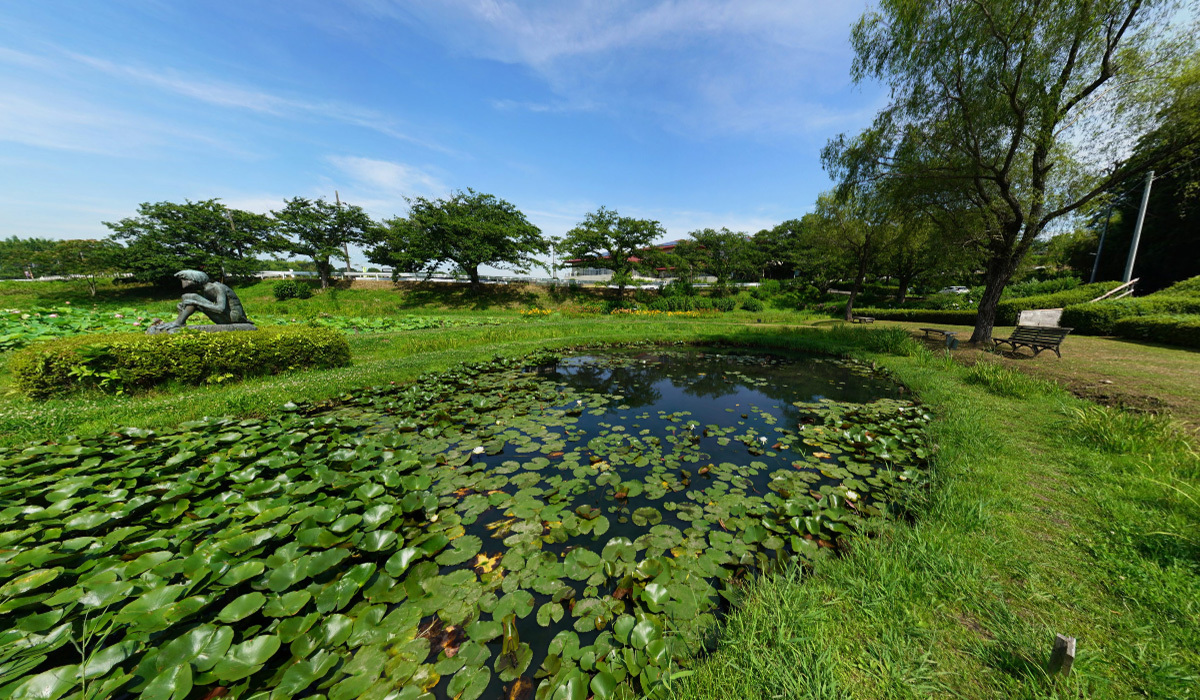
<point>233,96</point>
<point>389,178</point>
<point>702,66</point>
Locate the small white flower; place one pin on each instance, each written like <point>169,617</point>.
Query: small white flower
<point>53,316</point>
<point>478,450</point>
<point>118,315</point>
<point>763,440</point>
<point>851,496</point>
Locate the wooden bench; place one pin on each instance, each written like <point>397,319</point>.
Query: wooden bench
<point>1036,338</point>
<point>863,319</point>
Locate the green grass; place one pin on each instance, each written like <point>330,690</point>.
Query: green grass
<point>1041,520</point>
<point>1046,514</point>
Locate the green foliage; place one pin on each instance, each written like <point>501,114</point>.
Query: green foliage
<point>468,229</point>
<point>310,549</point>
<point>1173,330</point>
<point>1007,310</point>
<point>963,317</point>
<point>1118,431</point>
<point>724,303</point>
<point>1101,317</point>
<point>678,288</point>
<point>129,362</point>
<point>1035,288</point>
<point>1005,381</point>
<point>753,305</point>
<point>1186,288</point>
<point>607,240</point>
<point>723,254</point>
<point>766,289</point>
<point>291,289</point>
<point>321,230</point>
<point>167,237</point>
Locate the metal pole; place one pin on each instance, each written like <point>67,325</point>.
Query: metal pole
<point>1100,248</point>
<point>1137,231</point>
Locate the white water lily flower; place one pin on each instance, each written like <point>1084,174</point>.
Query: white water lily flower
<point>479,450</point>
<point>851,496</point>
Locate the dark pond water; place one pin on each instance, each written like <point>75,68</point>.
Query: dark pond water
<point>626,472</point>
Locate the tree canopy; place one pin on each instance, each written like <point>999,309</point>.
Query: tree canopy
<point>468,229</point>
<point>607,240</point>
<point>322,230</point>
<point>724,254</point>
<point>991,104</point>
<point>167,237</point>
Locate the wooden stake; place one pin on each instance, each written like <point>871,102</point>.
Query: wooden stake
<point>1063,655</point>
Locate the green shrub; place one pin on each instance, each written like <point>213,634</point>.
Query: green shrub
<point>962,317</point>
<point>1186,288</point>
<point>752,305</point>
<point>724,304</point>
<point>291,289</point>
<point>659,305</point>
<point>703,304</point>
<point>1101,317</point>
<point>680,303</point>
<point>678,288</point>
<point>1037,288</point>
<point>122,362</point>
<point>765,289</point>
<point>1172,330</point>
<point>1008,309</point>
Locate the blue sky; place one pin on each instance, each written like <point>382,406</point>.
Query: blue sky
<point>699,114</point>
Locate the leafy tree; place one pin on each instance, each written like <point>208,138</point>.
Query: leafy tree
<point>19,255</point>
<point>167,237</point>
<point>856,226</point>
<point>84,258</point>
<point>1169,250</point>
<point>607,240</point>
<point>322,230</point>
<point>723,254</point>
<point>995,107</point>
<point>468,229</point>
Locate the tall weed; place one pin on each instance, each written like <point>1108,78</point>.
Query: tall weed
<point>1125,432</point>
<point>1003,381</point>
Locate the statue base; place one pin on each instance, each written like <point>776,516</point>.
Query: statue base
<point>209,328</point>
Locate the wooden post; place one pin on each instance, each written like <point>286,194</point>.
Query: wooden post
<point>1062,656</point>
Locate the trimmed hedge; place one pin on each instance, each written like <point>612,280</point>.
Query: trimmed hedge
<point>1172,330</point>
<point>122,362</point>
<point>960,317</point>
<point>1101,317</point>
<point>1186,288</point>
<point>1008,309</point>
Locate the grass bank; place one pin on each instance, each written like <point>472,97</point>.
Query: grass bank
<point>1047,514</point>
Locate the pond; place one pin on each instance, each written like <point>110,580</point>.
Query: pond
<point>554,527</point>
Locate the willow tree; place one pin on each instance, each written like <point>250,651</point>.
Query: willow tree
<point>1016,110</point>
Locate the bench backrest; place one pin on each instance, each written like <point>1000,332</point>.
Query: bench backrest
<point>1040,334</point>
<point>1046,318</point>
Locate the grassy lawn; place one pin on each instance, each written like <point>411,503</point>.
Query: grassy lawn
<point>1047,513</point>
<point>1138,376</point>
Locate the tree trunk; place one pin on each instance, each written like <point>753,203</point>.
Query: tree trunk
<point>473,272</point>
<point>903,294</point>
<point>858,283</point>
<point>323,271</point>
<point>999,272</point>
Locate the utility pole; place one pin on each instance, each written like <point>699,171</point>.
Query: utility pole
<point>1100,248</point>
<point>1137,230</point>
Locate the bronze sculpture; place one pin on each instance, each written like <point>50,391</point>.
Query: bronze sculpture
<point>214,299</point>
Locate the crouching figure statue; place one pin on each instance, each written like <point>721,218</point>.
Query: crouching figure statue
<point>215,300</point>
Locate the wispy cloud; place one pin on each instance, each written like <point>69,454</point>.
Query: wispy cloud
<point>704,66</point>
<point>381,186</point>
<point>231,95</point>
